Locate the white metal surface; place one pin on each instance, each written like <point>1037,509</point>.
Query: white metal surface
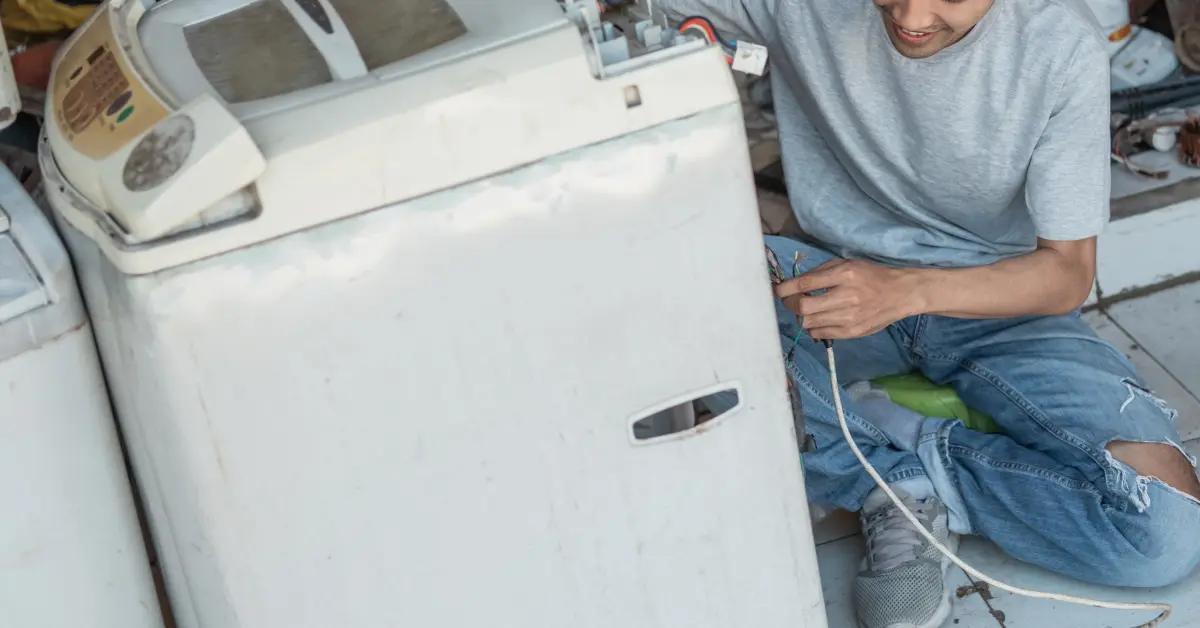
<point>423,414</point>
<point>71,550</point>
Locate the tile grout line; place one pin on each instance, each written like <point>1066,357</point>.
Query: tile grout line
<point>1132,294</point>
<point>1144,349</point>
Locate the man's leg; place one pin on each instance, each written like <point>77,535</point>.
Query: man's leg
<point>902,582</point>
<point>1088,479</point>
<point>833,476</point>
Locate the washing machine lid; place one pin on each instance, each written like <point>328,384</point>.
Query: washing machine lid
<point>151,104</point>
<point>260,56</point>
<point>144,152</point>
<point>126,144</point>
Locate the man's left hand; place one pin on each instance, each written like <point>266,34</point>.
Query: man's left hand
<point>860,298</point>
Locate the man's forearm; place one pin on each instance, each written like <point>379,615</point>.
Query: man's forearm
<point>1042,283</point>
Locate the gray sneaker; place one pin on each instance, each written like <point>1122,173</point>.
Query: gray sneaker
<point>902,581</point>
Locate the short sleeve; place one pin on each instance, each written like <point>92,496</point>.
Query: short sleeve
<point>1069,182</point>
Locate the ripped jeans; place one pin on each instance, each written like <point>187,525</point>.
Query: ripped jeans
<point>1046,491</point>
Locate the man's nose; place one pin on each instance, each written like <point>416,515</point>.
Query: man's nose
<point>915,15</point>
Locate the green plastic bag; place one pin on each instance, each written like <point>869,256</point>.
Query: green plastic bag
<point>915,392</point>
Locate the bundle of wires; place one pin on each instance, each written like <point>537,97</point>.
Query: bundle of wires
<point>702,26</point>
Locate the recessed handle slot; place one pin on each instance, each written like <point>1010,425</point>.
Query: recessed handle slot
<point>686,416</point>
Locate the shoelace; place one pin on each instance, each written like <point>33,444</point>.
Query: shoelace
<point>891,538</point>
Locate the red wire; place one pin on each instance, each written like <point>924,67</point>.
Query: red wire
<point>702,25</point>
<point>709,34</point>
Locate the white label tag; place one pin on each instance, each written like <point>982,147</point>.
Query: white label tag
<point>750,58</point>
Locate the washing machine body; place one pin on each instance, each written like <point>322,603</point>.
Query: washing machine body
<point>399,371</point>
<point>70,543</point>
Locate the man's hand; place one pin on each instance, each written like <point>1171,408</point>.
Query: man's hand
<point>860,298</point>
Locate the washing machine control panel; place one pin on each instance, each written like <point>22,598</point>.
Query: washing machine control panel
<point>149,167</point>
<point>99,102</point>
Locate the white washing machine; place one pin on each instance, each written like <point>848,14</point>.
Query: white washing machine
<point>385,323</point>
<point>71,548</point>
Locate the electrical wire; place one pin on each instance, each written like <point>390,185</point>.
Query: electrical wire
<point>975,573</point>
<point>707,25</point>
<point>703,27</point>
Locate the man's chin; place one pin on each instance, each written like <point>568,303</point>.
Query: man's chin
<point>935,44</point>
<point>921,51</point>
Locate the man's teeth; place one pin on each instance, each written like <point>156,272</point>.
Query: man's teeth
<point>913,33</point>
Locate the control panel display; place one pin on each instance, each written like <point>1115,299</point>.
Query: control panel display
<point>99,103</point>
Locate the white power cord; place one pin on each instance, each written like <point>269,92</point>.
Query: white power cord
<point>1124,606</point>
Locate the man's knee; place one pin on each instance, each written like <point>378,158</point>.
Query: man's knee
<point>1173,560</point>
<point>1159,460</point>
<point>1158,547</point>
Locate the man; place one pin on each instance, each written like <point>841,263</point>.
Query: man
<point>949,160</point>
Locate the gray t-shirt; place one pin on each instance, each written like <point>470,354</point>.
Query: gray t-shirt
<point>959,159</point>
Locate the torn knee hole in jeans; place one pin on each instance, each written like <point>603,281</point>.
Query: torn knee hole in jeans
<point>1138,391</point>
<point>1139,493</point>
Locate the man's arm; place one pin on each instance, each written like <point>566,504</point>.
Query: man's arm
<point>1067,191</point>
<point>1053,280</point>
<point>746,20</point>
<point>862,298</point>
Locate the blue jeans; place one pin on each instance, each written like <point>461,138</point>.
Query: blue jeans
<point>1046,491</point>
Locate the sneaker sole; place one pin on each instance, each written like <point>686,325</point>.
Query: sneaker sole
<point>939,617</point>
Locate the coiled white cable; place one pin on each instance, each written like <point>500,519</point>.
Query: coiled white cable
<point>975,573</point>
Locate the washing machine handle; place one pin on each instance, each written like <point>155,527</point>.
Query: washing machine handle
<point>686,415</point>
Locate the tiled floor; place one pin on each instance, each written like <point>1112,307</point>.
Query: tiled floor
<point>1160,334</point>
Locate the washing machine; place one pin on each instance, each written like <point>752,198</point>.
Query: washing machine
<point>407,308</point>
<point>70,544</point>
